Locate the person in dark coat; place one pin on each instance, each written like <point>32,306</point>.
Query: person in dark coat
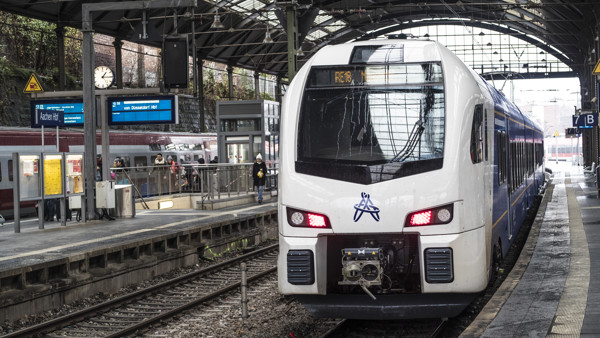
<point>259,174</point>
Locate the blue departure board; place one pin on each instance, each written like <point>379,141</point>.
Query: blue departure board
<point>142,110</point>
<point>72,109</point>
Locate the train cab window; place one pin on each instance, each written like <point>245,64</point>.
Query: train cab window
<point>140,162</point>
<point>477,136</point>
<point>10,170</point>
<point>371,123</point>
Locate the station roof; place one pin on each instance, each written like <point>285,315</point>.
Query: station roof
<point>565,28</point>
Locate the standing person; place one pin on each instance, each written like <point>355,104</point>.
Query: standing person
<point>161,167</point>
<point>174,172</point>
<point>259,173</point>
<point>99,168</point>
<point>187,172</point>
<point>121,172</point>
<point>197,175</point>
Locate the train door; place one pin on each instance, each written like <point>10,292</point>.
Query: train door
<point>502,215</point>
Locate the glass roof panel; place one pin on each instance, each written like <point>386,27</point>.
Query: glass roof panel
<point>488,51</point>
<point>317,34</point>
<point>322,17</point>
<point>334,27</point>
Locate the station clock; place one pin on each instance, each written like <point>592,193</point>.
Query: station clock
<point>103,77</point>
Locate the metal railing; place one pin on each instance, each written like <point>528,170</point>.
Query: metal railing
<point>213,181</point>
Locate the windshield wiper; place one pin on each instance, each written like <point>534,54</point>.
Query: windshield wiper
<point>411,144</point>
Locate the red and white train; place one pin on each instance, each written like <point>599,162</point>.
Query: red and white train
<point>136,148</point>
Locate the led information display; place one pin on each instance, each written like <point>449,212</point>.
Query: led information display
<point>72,109</point>
<point>142,110</point>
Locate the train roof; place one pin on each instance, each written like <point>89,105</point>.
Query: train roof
<point>424,50</point>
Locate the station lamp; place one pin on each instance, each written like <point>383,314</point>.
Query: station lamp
<point>217,24</point>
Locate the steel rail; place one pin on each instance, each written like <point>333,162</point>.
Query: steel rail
<point>176,311</point>
<point>61,322</point>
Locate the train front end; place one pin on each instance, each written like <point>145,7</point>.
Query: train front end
<point>377,217</point>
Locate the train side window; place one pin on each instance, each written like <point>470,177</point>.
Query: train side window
<point>10,170</point>
<point>477,135</point>
<point>501,141</point>
<point>0,171</point>
<point>513,165</point>
<point>140,162</point>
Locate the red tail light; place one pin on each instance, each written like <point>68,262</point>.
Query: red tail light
<point>316,221</point>
<point>300,218</point>
<point>439,215</point>
<point>421,218</point>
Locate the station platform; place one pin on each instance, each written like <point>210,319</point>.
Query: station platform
<point>554,288</point>
<point>41,269</point>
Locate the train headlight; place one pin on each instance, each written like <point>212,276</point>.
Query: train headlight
<point>444,215</point>
<point>433,216</point>
<point>300,218</point>
<point>297,218</point>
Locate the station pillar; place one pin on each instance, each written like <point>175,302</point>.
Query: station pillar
<point>257,85</point>
<point>60,42</point>
<point>292,40</point>
<point>230,82</point>
<point>118,62</point>
<point>201,96</point>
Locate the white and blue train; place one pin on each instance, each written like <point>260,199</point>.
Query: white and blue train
<point>404,179</point>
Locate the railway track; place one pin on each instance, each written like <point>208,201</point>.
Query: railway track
<point>132,313</point>
<point>431,328</point>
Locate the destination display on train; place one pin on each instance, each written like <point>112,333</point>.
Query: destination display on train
<point>376,75</point>
<point>142,110</point>
<point>71,108</point>
<point>322,77</point>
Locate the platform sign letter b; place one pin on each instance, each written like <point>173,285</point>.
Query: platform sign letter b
<point>585,120</point>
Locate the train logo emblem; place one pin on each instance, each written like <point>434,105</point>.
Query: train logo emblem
<point>366,205</point>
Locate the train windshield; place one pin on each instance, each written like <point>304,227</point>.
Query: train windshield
<point>370,123</point>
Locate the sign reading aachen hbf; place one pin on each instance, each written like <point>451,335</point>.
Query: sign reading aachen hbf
<point>71,109</point>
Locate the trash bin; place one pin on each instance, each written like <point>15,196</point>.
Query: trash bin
<point>124,201</point>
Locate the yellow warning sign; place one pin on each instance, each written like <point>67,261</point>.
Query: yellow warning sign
<point>556,133</point>
<point>33,85</point>
<point>597,68</point>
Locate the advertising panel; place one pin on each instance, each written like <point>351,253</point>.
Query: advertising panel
<point>53,182</point>
<point>74,174</point>
<point>29,177</point>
